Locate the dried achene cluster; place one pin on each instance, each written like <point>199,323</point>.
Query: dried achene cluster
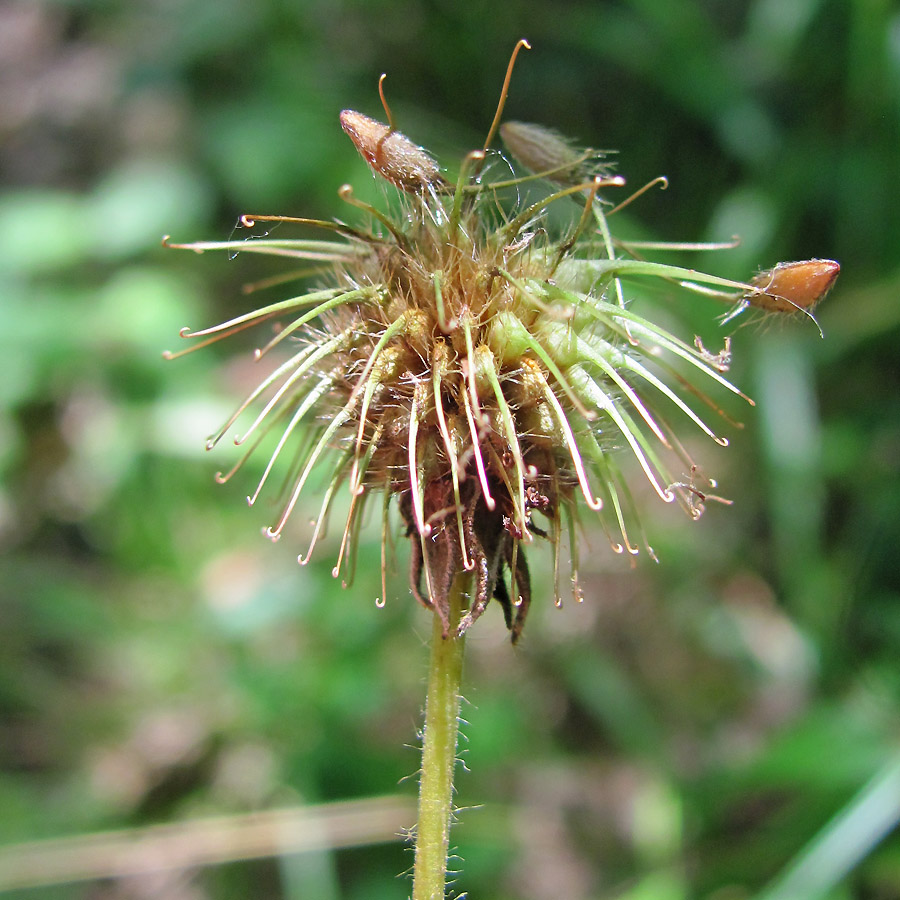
<point>476,364</point>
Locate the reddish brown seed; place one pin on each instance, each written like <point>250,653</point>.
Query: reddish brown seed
<point>793,286</point>
<point>392,155</point>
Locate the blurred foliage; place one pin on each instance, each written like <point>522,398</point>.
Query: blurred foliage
<point>688,729</point>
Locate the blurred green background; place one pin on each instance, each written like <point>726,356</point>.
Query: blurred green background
<point>723,725</point>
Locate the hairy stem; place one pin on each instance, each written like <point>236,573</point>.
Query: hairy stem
<point>439,752</point>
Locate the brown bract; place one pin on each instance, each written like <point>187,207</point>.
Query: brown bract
<point>391,154</point>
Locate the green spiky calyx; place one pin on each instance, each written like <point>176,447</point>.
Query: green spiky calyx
<point>469,363</point>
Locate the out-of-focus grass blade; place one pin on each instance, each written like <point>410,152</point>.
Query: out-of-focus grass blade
<point>844,842</point>
<point>185,845</point>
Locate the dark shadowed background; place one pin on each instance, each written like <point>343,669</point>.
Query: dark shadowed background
<point>722,725</point>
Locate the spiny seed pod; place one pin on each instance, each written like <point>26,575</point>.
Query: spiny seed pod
<point>793,286</point>
<point>484,372</point>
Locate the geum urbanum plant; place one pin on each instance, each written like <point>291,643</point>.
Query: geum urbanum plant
<point>484,369</point>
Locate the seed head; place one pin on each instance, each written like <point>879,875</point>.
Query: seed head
<point>477,369</point>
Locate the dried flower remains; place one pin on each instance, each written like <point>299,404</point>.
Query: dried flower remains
<point>477,366</point>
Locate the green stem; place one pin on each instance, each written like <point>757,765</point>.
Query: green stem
<point>439,752</point>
